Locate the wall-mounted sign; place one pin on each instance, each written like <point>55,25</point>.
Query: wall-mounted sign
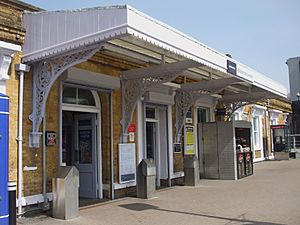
<point>189,140</point>
<point>50,138</point>
<point>177,148</point>
<point>231,67</point>
<point>127,166</point>
<point>131,136</point>
<point>221,112</point>
<point>189,116</point>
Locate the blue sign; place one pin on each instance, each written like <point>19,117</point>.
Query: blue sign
<point>4,112</point>
<point>231,67</point>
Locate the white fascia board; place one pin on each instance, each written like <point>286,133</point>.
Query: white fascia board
<point>9,46</point>
<point>259,80</point>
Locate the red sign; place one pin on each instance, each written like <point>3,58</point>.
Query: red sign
<point>131,128</point>
<point>50,138</point>
<point>277,127</point>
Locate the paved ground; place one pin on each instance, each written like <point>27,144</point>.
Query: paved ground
<point>271,196</point>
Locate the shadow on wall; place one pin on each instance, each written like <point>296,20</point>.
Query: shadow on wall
<point>143,207</point>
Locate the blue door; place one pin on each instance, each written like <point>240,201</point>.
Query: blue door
<point>4,112</point>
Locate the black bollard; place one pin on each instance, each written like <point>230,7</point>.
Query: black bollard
<point>12,203</point>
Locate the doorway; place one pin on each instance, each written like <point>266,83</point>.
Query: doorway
<point>156,141</point>
<point>80,140</point>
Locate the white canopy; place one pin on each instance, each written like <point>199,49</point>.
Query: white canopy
<point>127,31</point>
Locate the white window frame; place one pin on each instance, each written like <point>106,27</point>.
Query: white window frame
<point>258,111</point>
<point>256,132</point>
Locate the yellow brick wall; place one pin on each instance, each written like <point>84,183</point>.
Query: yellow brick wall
<point>33,157</point>
<point>33,179</point>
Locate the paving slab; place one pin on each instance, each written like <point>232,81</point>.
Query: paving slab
<point>271,196</point>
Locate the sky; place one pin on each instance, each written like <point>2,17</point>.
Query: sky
<point>262,34</point>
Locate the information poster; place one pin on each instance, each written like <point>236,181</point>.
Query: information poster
<point>189,148</point>
<point>127,166</point>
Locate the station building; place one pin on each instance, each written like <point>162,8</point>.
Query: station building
<point>110,86</point>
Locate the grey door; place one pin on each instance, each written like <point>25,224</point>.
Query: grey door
<point>210,151</point>
<point>85,154</point>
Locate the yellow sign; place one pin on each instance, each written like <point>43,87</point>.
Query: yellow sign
<point>189,141</point>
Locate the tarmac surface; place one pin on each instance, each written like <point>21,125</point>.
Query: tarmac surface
<point>271,196</point>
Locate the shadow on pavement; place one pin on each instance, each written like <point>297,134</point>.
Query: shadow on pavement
<point>143,207</point>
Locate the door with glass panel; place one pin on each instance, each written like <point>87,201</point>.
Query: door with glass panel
<point>85,154</point>
<point>156,139</point>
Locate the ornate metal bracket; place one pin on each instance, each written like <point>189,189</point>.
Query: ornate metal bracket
<point>183,101</point>
<point>232,107</point>
<point>45,74</point>
<point>132,91</point>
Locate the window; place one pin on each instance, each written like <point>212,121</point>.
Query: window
<point>150,113</point>
<point>273,122</point>
<point>203,114</point>
<point>78,96</point>
<point>256,132</point>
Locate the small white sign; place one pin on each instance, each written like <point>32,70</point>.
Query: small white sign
<point>131,136</point>
<point>127,166</point>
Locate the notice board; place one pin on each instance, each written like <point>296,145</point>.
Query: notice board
<point>127,165</point>
<point>189,140</point>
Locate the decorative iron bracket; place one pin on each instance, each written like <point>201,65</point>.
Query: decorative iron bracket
<point>132,91</point>
<point>137,81</point>
<point>232,107</point>
<point>234,102</point>
<point>184,99</point>
<point>45,73</point>
<point>190,93</point>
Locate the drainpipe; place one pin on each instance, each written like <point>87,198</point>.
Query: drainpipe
<point>111,148</point>
<point>46,205</point>
<point>21,68</point>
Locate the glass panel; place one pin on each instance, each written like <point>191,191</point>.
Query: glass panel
<point>255,138</point>
<point>203,115</point>
<point>69,95</point>
<point>85,97</point>
<point>85,146</point>
<point>150,139</point>
<point>87,122</point>
<point>255,124</point>
<point>150,113</point>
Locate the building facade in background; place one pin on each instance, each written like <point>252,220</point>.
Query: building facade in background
<point>294,76</point>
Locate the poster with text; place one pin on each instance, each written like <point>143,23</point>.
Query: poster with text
<point>127,166</point>
<point>189,148</point>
